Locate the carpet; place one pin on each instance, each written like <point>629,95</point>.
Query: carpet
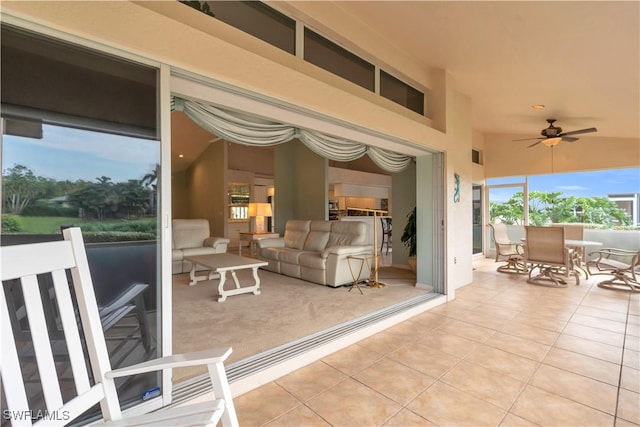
<point>286,309</point>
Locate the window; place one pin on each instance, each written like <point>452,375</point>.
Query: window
<point>401,93</point>
<point>475,157</point>
<point>239,195</point>
<point>255,18</point>
<point>331,57</point>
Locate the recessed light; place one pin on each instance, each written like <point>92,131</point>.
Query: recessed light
<point>537,107</point>
<point>181,155</point>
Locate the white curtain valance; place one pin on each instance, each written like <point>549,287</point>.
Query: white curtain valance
<point>250,130</point>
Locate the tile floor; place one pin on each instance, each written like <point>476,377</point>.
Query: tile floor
<point>503,353</point>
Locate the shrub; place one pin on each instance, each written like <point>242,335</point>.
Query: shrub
<point>115,236</point>
<point>139,226</point>
<point>11,224</point>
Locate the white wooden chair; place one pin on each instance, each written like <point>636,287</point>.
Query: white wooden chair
<point>24,262</point>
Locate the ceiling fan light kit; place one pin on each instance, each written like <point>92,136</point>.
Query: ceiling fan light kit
<point>552,135</point>
<point>552,142</point>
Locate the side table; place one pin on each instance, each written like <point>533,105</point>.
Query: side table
<point>252,237</point>
<point>363,260</point>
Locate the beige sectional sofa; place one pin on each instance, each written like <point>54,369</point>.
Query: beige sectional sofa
<point>317,251</point>
<point>191,237</point>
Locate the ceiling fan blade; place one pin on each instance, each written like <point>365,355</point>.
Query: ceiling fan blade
<point>525,139</point>
<point>569,138</point>
<point>577,132</point>
<point>535,143</point>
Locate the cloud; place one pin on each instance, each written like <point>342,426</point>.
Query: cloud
<point>572,188</point>
<point>102,145</point>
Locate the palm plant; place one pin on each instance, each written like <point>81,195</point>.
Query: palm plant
<point>409,237</point>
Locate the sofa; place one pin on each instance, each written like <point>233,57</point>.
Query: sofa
<point>317,251</point>
<point>191,237</point>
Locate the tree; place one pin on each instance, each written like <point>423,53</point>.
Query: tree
<point>151,179</point>
<point>21,186</point>
<point>545,208</point>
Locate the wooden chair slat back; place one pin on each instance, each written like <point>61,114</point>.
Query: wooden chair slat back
<point>24,262</point>
<point>10,372</point>
<point>41,342</point>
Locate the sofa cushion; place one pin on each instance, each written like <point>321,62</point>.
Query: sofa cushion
<point>295,233</point>
<point>288,255</point>
<point>270,253</point>
<point>319,232</point>
<point>312,260</point>
<point>202,250</point>
<point>188,233</point>
<point>345,233</point>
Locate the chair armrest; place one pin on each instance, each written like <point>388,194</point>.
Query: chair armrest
<point>215,241</point>
<point>196,358</point>
<point>614,251</point>
<point>347,250</point>
<point>125,298</point>
<point>271,242</point>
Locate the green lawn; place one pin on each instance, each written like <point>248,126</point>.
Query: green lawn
<point>51,224</point>
<point>47,224</point>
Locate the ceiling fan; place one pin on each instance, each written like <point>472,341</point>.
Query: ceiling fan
<point>552,135</point>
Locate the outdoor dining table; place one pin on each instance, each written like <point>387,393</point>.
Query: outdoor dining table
<point>579,245</point>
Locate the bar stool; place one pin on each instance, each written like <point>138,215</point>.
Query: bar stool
<point>386,233</point>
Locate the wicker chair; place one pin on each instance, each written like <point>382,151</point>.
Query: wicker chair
<point>511,252</point>
<point>623,265</point>
<point>546,252</point>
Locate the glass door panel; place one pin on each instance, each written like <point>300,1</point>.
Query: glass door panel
<point>506,204</point>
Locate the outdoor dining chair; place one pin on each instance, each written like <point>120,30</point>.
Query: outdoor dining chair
<point>546,255</point>
<point>506,250</point>
<point>623,265</point>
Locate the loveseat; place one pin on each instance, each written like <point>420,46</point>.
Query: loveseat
<point>191,237</point>
<point>317,251</point>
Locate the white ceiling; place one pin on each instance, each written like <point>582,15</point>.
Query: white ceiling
<point>581,59</point>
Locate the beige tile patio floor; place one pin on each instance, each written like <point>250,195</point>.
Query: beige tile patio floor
<point>503,353</point>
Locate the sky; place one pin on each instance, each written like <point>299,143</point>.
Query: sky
<point>579,184</point>
<point>72,154</point>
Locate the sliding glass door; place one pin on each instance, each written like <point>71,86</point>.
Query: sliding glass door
<point>80,148</point>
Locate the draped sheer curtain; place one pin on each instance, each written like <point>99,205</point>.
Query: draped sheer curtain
<point>250,130</point>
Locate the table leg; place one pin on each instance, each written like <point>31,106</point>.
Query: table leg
<point>210,275</point>
<point>195,278</point>
<point>223,294</point>
<point>356,279</point>
<point>256,279</point>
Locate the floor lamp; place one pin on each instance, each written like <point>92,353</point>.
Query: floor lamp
<point>376,257</point>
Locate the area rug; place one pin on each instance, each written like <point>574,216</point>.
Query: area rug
<point>286,309</point>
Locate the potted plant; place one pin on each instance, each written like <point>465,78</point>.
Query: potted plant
<point>409,238</point>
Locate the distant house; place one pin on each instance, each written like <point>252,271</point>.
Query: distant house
<point>630,203</point>
<point>61,201</point>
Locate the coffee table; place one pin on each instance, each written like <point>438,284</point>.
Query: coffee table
<point>221,264</point>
